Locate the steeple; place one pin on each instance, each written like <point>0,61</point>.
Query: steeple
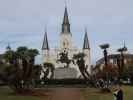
<point>8,47</point>
<point>124,43</point>
<point>66,24</point>
<point>65,20</point>
<point>45,45</point>
<point>124,47</point>
<point>86,41</point>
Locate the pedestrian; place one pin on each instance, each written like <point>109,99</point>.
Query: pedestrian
<point>118,94</point>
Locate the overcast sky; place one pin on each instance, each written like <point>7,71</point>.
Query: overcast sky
<point>22,23</point>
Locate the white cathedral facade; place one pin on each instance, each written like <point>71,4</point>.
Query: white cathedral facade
<point>65,45</point>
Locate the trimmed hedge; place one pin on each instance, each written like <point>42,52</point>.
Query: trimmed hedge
<point>66,81</point>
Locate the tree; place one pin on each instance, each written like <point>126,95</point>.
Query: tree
<point>10,56</point>
<point>20,69</point>
<point>105,53</point>
<point>81,64</point>
<point>10,76</point>
<point>27,56</point>
<point>112,71</point>
<point>36,72</point>
<point>33,53</point>
<point>128,73</point>
<point>104,47</point>
<point>48,69</point>
<point>120,60</point>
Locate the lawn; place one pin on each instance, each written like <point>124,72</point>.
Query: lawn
<point>7,94</point>
<point>87,94</point>
<point>95,94</point>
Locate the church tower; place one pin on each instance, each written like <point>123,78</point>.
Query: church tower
<point>65,35</point>
<point>86,51</point>
<point>8,48</point>
<point>45,48</point>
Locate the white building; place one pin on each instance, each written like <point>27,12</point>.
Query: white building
<point>52,54</point>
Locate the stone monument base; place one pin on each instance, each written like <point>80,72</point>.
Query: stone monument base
<point>65,73</point>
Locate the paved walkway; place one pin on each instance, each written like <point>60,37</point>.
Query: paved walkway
<point>66,94</point>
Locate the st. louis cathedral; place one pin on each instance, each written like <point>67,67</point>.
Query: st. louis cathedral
<point>65,45</point>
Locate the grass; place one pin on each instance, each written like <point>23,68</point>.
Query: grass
<point>87,93</point>
<point>94,94</point>
<point>7,94</point>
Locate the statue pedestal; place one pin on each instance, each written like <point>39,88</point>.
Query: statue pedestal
<point>65,73</point>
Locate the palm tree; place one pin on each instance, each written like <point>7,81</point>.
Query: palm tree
<point>105,53</point>
<point>28,58</point>
<point>121,59</point>
<point>33,53</point>
<point>36,71</point>
<point>10,56</point>
<point>23,70</point>
<point>104,47</point>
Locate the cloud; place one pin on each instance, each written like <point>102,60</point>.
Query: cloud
<point>22,22</point>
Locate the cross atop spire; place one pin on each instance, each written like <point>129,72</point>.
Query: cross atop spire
<point>45,45</point>
<point>86,41</point>
<point>65,24</point>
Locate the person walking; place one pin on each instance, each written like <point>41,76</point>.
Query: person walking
<point>118,94</point>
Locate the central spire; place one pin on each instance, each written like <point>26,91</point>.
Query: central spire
<point>66,24</point>
<point>66,20</point>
